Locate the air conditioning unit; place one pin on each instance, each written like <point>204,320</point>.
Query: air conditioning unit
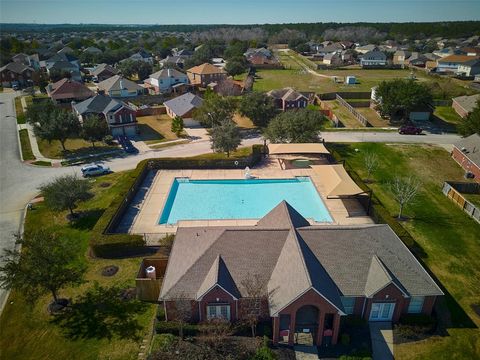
<point>469,175</point>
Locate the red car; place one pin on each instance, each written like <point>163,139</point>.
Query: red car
<point>409,130</point>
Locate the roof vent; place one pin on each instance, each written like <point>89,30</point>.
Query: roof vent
<point>464,149</point>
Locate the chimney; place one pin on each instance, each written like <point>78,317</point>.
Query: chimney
<point>169,74</point>
<point>121,84</point>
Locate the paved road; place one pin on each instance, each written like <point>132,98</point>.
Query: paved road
<point>19,182</point>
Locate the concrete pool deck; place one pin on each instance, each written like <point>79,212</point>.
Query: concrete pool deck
<point>147,207</point>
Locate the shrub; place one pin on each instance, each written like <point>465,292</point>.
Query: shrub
<point>353,357</point>
<point>160,313</point>
<point>418,320</point>
<point>354,321</point>
<point>163,342</point>
<point>345,339</point>
<point>170,327</point>
<point>264,352</point>
<point>108,139</point>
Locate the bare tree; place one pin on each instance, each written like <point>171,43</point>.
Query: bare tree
<point>252,304</point>
<point>215,331</point>
<point>404,191</point>
<point>182,312</point>
<point>370,160</point>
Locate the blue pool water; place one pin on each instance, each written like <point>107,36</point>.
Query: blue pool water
<point>240,199</point>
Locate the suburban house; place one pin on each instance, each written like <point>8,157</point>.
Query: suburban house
<point>416,59</point>
<point>466,153</point>
<point>311,276</point>
<point>67,90</point>
<point>121,119</point>
<point>260,56</point>
<point>60,58</point>
<point>288,98</point>
<point>165,80</point>
<point>93,50</point>
<point>464,105</point>
<point>64,63</point>
<point>334,58</point>
<point>103,71</point>
<point>65,50</point>
<point>204,74</point>
<point>174,60</point>
<point>366,48</point>
<point>400,57</point>
<point>15,73</point>
<point>183,106</point>
<point>452,63</point>
<point>120,87</point>
<point>30,60</point>
<point>373,58</point>
<point>469,68</point>
<point>142,55</point>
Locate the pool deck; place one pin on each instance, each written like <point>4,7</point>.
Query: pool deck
<point>148,207</point>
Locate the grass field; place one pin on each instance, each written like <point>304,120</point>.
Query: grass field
<point>155,128</point>
<point>27,153</point>
<point>243,121</point>
<point>75,147</point>
<point>28,331</point>
<point>446,113</point>
<point>448,238</point>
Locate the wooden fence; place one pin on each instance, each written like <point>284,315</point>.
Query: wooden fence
<point>454,192</point>
<point>362,119</point>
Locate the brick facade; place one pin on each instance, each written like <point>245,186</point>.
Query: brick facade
<point>466,163</point>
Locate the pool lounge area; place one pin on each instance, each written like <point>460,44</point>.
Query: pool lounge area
<point>227,199</point>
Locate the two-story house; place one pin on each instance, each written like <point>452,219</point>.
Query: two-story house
<point>165,80</point>
<point>204,74</point>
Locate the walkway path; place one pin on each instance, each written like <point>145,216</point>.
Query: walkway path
<point>382,340</point>
<point>303,352</point>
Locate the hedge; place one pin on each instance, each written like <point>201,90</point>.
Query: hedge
<point>171,327</point>
<point>418,320</point>
<point>104,242</point>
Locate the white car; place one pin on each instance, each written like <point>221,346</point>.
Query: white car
<point>95,169</point>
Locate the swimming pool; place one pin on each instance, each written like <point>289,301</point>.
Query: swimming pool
<point>240,199</point>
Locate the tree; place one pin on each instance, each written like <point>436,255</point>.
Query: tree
<point>46,263</point>
<point>235,66</point>
<point>225,137</point>
<point>370,160</point>
<point>404,191</point>
<point>214,110</point>
<point>295,126</point>
<point>471,124</point>
<point>397,98</point>
<point>181,312</point>
<point>94,129</point>
<point>65,192</point>
<point>58,125</point>
<point>177,125</point>
<point>253,304</point>
<point>129,68</point>
<point>259,107</point>
<point>38,112</point>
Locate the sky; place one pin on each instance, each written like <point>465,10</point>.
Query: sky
<point>234,11</point>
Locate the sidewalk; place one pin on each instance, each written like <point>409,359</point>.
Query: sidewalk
<point>382,340</point>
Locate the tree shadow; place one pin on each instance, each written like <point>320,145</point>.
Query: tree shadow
<point>146,132</point>
<point>101,313</point>
<point>86,220</point>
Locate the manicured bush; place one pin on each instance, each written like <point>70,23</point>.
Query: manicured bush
<point>160,313</point>
<point>345,339</point>
<point>170,327</point>
<point>164,342</point>
<point>418,320</point>
<point>264,352</point>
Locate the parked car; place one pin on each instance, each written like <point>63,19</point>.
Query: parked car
<point>410,130</point>
<point>94,170</point>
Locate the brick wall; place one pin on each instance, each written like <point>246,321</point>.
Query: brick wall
<point>465,163</point>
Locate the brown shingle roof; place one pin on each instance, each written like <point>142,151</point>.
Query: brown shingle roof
<point>206,69</point>
<point>68,89</point>
<point>456,59</point>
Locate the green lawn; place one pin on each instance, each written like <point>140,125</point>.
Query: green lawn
<point>448,238</point>
<point>28,331</point>
<point>19,111</point>
<point>155,129</point>
<point>447,114</point>
<point>27,153</point>
<point>75,147</point>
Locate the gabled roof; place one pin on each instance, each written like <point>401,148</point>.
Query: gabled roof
<point>378,278</point>
<point>181,105</point>
<point>16,67</point>
<point>286,94</point>
<point>118,82</point>
<point>103,67</point>
<point>456,59</point>
<point>292,258</point>
<point>283,215</point>
<point>67,89</point>
<point>206,69</point>
<point>471,146</point>
<point>99,104</point>
<point>467,102</point>
<point>218,276</point>
<point>167,73</point>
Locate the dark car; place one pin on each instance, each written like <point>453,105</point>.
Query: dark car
<point>410,130</point>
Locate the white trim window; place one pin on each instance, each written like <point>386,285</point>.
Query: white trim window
<point>218,311</point>
<point>348,304</point>
<point>416,304</point>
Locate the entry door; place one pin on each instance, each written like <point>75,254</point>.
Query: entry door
<point>382,311</point>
